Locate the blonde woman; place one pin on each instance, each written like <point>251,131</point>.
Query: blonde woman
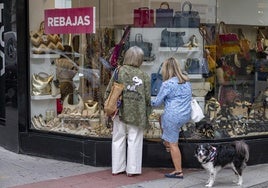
<point>176,94</point>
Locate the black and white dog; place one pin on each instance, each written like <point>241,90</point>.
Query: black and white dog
<point>214,158</point>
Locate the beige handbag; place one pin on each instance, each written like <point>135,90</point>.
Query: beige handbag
<point>240,109</point>
<point>44,43</point>
<point>200,89</point>
<point>79,106</point>
<point>91,107</point>
<point>110,105</point>
<point>41,83</point>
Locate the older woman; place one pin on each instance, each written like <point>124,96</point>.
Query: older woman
<point>132,119</point>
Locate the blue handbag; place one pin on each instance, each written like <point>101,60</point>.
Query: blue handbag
<point>145,46</point>
<point>192,66</point>
<point>186,19</point>
<point>164,17</point>
<point>156,82</point>
<point>171,39</point>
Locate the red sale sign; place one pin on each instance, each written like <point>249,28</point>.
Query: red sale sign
<point>70,20</point>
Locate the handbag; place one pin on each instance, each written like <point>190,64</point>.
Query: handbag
<point>116,51</point>
<point>227,43</point>
<point>192,66</point>
<point>244,43</point>
<point>164,17</point>
<point>171,39</point>
<point>145,46</point>
<point>143,17</point>
<point>73,107</point>
<point>156,82</point>
<point>112,103</point>
<point>45,43</point>
<point>200,89</point>
<point>186,19</point>
<point>197,113</point>
<point>41,84</point>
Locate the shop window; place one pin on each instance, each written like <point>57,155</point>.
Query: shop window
<point>232,91</point>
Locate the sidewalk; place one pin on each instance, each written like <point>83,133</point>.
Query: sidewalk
<point>22,171</point>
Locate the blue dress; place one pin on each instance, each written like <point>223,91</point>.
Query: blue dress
<point>176,98</point>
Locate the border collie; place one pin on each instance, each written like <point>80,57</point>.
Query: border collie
<point>214,158</point>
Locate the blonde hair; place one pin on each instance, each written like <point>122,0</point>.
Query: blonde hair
<point>134,56</point>
<point>171,68</point>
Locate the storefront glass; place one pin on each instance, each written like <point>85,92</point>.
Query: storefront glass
<point>227,70</point>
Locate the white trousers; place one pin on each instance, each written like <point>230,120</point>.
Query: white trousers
<point>127,142</point>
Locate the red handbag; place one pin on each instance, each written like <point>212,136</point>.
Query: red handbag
<point>143,17</point>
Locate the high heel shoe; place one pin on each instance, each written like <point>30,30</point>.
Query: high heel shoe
<point>41,120</point>
<point>194,41</point>
<point>36,123</point>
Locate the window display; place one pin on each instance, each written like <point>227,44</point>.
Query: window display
<point>226,63</point>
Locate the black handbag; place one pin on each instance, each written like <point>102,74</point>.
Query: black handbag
<point>145,46</point>
<point>164,17</point>
<point>186,18</point>
<point>171,39</point>
<point>156,82</point>
<point>192,66</point>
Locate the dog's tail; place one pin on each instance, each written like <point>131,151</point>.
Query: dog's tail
<point>242,149</point>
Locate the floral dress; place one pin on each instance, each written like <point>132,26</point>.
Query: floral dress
<point>176,98</point>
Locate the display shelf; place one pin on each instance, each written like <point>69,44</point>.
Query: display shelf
<point>45,56</point>
<point>45,97</point>
<point>195,76</point>
<point>179,49</point>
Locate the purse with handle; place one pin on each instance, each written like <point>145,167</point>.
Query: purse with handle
<point>156,81</point>
<point>185,18</point>
<point>171,39</point>
<point>164,16</point>
<point>143,17</point>
<point>111,104</point>
<point>145,46</point>
<point>117,49</point>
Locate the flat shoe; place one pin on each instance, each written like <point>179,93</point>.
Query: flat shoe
<point>175,175</point>
<point>132,175</point>
<point>115,174</point>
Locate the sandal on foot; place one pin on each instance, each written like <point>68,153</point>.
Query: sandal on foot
<point>175,175</point>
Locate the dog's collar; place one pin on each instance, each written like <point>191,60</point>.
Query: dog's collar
<point>211,155</point>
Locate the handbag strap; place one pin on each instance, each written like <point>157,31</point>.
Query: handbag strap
<point>41,28</point>
<point>164,3</point>
<point>204,33</point>
<point>222,28</point>
<point>125,35</point>
<point>116,73</point>
<point>159,69</point>
<point>185,4</point>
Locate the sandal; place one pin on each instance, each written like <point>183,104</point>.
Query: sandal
<point>175,175</point>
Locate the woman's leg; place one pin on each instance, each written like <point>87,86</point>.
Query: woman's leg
<point>176,156</point>
<point>134,150</point>
<point>118,146</point>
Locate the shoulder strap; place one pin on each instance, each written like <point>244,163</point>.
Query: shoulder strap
<point>116,73</point>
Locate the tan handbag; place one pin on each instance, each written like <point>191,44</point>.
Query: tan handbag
<point>110,105</point>
<point>41,84</point>
<point>91,107</point>
<point>45,43</point>
<point>240,109</point>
